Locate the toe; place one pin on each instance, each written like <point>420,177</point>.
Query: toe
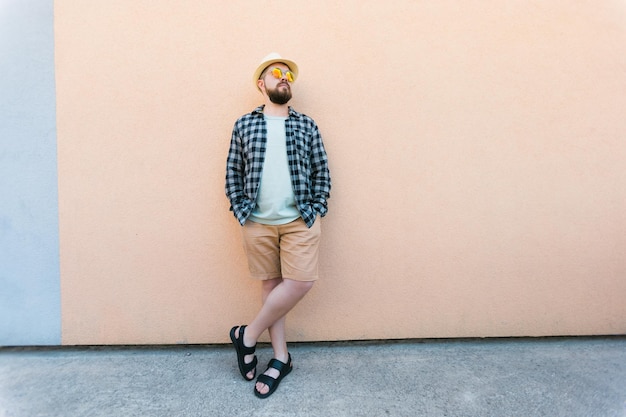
<point>262,388</point>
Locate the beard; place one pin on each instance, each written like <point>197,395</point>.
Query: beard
<point>279,95</point>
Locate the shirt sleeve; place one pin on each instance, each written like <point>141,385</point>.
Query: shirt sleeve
<point>235,169</point>
<point>320,174</point>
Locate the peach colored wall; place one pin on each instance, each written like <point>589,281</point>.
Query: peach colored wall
<point>477,152</point>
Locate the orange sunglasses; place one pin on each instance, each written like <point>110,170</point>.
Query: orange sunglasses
<point>278,73</point>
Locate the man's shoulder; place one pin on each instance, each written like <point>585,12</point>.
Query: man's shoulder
<point>301,117</point>
<point>255,114</point>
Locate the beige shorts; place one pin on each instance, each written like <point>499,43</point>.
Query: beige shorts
<point>283,251</point>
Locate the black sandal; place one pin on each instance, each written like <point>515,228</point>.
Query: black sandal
<point>272,383</point>
<point>242,351</point>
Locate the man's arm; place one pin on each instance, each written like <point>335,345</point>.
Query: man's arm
<point>320,174</point>
<point>235,168</point>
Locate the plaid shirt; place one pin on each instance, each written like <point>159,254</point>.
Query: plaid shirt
<point>308,164</point>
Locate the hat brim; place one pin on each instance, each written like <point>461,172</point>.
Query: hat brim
<point>292,66</point>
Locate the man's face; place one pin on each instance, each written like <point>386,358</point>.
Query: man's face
<point>278,89</point>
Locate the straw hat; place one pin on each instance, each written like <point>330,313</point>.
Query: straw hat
<point>272,59</point>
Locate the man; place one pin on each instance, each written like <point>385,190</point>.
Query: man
<point>278,183</point>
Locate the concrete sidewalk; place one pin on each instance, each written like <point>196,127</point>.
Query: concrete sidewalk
<point>492,377</point>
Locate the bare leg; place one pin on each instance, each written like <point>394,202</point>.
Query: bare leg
<point>280,296</point>
<point>278,302</point>
<point>277,330</point>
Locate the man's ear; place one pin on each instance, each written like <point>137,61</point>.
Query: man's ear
<point>261,84</point>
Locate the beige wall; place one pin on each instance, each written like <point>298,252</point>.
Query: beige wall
<point>477,153</point>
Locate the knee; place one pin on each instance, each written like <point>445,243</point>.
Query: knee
<point>300,287</point>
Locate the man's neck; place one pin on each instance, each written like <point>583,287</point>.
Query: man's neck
<point>278,110</point>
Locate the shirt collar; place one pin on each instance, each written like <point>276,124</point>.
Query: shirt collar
<point>292,112</point>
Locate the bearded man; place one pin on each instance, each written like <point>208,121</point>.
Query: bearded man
<point>278,184</point>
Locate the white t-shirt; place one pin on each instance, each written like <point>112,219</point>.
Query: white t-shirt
<point>276,202</point>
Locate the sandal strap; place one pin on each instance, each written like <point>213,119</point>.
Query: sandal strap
<point>278,365</point>
<point>267,380</point>
<point>244,349</point>
<point>250,366</point>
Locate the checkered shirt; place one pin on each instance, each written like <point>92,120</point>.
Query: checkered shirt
<point>308,164</point>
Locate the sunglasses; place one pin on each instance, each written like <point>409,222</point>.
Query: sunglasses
<point>278,73</point>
